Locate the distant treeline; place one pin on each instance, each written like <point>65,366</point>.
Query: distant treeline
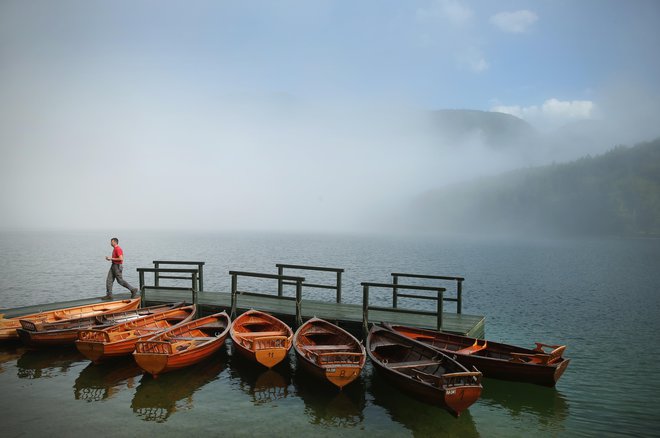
<point>617,193</point>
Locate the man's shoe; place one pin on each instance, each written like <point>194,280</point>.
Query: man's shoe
<point>107,298</point>
<point>135,293</point>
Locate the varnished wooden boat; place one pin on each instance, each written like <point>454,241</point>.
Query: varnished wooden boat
<point>425,373</point>
<point>8,326</point>
<point>261,337</point>
<point>44,334</point>
<point>501,361</point>
<point>329,352</point>
<point>120,340</point>
<point>183,345</point>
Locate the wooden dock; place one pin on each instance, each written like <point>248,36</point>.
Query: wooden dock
<point>294,309</point>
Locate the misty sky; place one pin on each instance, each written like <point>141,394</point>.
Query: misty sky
<point>291,115</point>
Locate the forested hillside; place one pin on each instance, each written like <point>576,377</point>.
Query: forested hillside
<point>617,193</point>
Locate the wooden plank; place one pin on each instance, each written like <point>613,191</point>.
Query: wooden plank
<point>326,347</point>
<point>412,364</point>
<point>211,302</point>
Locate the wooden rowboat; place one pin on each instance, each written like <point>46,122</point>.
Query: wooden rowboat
<point>329,352</point>
<point>8,326</point>
<point>183,345</point>
<point>501,361</point>
<point>261,337</point>
<point>120,340</point>
<point>44,334</point>
<point>422,371</point>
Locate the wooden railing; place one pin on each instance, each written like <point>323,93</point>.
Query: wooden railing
<point>366,306</point>
<point>298,281</point>
<point>200,272</point>
<point>192,276</point>
<point>336,286</point>
<point>458,280</point>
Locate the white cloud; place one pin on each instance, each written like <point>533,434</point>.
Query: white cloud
<point>449,10</point>
<point>514,22</point>
<point>552,113</point>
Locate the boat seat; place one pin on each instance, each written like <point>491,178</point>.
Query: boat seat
<point>412,364</point>
<point>537,359</point>
<point>191,338</point>
<point>472,348</point>
<point>261,334</point>
<point>212,327</point>
<point>422,376</point>
<point>326,347</point>
<point>390,344</point>
<point>317,331</point>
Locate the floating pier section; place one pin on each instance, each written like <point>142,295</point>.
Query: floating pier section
<point>295,307</point>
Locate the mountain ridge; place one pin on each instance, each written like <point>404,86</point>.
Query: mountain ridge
<point>616,193</point>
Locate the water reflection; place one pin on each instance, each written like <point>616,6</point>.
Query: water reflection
<point>102,381</point>
<point>35,364</point>
<point>157,399</point>
<point>521,398</point>
<point>327,405</point>
<point>263,386</point>
<point>420,418</point>
<point>10,352</point>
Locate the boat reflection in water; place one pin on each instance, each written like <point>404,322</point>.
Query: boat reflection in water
<point>100,382</point>
<point>157,399</point>
<point>263,385</point>
<point>422,419</point>
<point>35,364</point>
<point>328,405</point>
<point>10,352</point>
<point>522,398</point>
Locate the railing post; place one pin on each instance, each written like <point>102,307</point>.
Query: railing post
<point>395,290</point>
<point>233,295</point>
<point>195,298</point>
<point>459,296</point>
<point>200,279</point>
<point>365,310</point>
<point>142,291</point>
<point>298,303</point>
<point>441,300</point>
<point>280,289</point>
<point>156,275</point>
<point>338,287</point>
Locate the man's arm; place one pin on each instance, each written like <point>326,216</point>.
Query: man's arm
<point>120,257</point>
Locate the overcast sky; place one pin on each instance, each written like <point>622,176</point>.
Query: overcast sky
<point>297,115</point>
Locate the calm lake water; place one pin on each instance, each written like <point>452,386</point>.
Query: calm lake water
<point>599,297</point>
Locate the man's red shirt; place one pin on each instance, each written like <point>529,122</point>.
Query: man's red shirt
<point>116,252</point>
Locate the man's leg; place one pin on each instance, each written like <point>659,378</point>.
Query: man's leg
<point>108,283</point>
<point>120,279</point>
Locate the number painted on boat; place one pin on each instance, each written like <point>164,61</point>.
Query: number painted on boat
<point>451,391</point>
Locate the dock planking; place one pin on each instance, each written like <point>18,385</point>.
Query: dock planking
<point>345,314</point>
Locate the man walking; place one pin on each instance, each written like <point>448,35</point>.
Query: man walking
<point>115,272</point>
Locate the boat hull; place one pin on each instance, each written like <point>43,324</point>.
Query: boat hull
<point>9,326</point>
<point>338,375</point>
<point>328,352</point>
<point>423,372</point>
<point>168,352</point>
<point>496,360</point>
<point>261,338</point>
<point>52,339</point>
<point>455,400</point>
<point>120,340</point>
<point>44,335</point>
